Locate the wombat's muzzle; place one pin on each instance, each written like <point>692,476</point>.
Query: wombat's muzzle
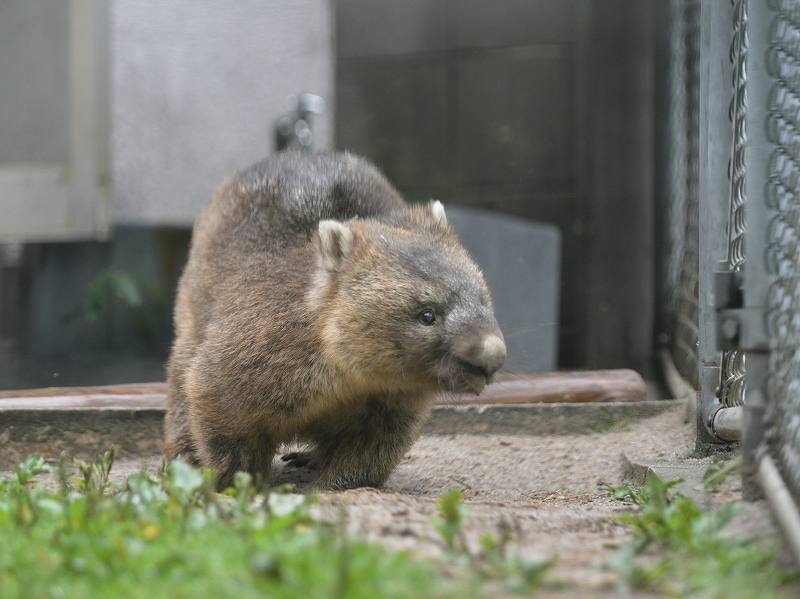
<point>486,356</point>
<point>492,354</point>
<point>481,359</point>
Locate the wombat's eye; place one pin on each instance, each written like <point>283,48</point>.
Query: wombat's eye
<point>427,317</point>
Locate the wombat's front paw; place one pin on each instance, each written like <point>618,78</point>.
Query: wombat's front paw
<point>300,459</point>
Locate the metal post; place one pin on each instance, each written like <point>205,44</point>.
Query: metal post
<point>714,187</point>
<point>756,279</point>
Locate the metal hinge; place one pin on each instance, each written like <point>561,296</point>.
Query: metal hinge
<point>737,327</point>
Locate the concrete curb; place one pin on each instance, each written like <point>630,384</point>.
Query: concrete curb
<point>80,433</point>
<point>543,419</point>
<point>136,428</point>
<point>637,471</point>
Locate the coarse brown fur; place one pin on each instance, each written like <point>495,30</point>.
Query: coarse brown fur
<point>298,319</point>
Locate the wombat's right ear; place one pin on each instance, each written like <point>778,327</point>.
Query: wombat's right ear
<point>437,211</point>
<point>335,243</point>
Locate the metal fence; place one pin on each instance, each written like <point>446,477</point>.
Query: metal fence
<point>734,227</point>
<point>782,203</point>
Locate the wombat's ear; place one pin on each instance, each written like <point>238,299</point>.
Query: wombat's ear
<point>437,211</point>
<point>335,243</point>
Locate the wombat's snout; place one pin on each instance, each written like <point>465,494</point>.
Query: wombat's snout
<point>487,356</point>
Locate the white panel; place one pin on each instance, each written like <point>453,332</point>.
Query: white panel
<point>89,130</point>
<point>197,86</point>
<point>33,202</point>
<point>53,173</point>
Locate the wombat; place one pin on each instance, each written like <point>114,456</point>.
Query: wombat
<point>317,306</point>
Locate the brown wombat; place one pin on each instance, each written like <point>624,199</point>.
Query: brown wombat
<point>316,306</point>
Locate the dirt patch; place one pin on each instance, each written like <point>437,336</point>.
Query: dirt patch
<point>546,489</point>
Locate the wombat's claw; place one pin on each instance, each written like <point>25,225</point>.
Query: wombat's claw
<point>298,459</point>
<point>189,458</point>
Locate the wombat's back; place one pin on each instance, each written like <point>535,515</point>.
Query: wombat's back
<point>280,200</point>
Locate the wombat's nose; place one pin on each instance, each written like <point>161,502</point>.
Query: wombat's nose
<point>489,355</point>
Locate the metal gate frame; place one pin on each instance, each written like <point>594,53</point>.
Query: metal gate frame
<point>749,251</point>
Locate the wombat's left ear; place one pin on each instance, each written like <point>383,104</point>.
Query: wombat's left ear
<point>437,211</point>
<point>335,243</point>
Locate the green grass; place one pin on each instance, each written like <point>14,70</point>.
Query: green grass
<point>171,535</point>
<point>681,551</point>
<point>493,563</point>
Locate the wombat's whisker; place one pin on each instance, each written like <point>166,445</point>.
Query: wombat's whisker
<point>517,332</point>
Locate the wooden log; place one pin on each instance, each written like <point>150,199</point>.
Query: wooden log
<point>559,387</point>
<point>132,389</point>
<point>136,396</point>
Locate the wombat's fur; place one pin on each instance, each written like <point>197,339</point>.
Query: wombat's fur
<point>317,306</point>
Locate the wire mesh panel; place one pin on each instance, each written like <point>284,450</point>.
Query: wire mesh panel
<point>732,383</point>
<point>783,233</point>
<point>683,181</point>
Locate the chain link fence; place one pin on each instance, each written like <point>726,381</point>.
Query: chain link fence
<point>732,383</point>
<point>682,179</point>
<point>734,234</point>
<point>783,238</point>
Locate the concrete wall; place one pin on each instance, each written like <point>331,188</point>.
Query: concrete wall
<point>195,89</point>
<point>537,108</point>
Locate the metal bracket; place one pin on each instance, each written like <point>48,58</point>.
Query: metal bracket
<point>728,287</point>
<point>737,327</point>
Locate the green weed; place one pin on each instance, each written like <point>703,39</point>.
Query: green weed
<point>642,494</point>
<point>682,551</point>
<point>451,519</point>
<point>172,536</point>
<point>494,563</point>
<point>610,424</point>
<point>717,472</point>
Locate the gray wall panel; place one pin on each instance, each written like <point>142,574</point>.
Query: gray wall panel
<point>373,28</point>
<point>513,22</point>
<point>509,130</point>
<point>196,89</point>
<point>398,117</point>
<point>543,109</point>
<point>523,275</point>
<point>34,85</point>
